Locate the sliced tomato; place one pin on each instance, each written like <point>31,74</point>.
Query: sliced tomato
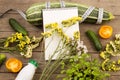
<point>105,31</point>
<point>13,64</point>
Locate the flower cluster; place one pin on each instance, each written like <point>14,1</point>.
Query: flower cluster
<point>23,44</point>
<point>72,45</point>
<point>71,21</point>
<point>112,49</point>
<point>19,39</point>
<point>76,35</point>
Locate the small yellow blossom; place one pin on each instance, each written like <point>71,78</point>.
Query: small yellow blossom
<point>21,45</point>
<point>76,35</point>
<point>27,40</point>
<point>12,40</point>
<point>19,36</point>
<point>52,25</point>
<point>118,62</point>
<point>8,38</point>
<point>59,31</point>
<point>77,18</point>
<point>66,38</point>
<point>6,44</point>
<point>69,22</point>
<point>73,21</point>
<point>46,34</point>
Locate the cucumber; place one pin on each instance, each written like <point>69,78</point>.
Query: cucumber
<point>2,58</point>
<point>95,40</point>
<point>34,13</point>
<point>17,27</point>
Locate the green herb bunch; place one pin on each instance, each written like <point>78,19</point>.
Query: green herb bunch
<point>82,68</point>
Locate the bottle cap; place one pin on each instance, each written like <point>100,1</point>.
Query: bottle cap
<point>35,63</point>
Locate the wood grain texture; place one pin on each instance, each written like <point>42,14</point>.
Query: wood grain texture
<point>38,53</point>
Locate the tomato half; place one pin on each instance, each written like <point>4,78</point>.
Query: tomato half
<point>13,64</point>
<point>105,31</point>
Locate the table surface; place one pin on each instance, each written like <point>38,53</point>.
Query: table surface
<point>5,31</point>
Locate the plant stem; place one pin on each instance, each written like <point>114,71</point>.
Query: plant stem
<point>55,65</point>
<point>8,49</point>
<point>49,61</point>
<point>53,70</point>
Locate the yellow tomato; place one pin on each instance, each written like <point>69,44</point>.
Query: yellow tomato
<point>13,64</point>
<point>105,31</point>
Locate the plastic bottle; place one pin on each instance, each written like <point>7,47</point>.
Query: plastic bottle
<point>28,71</point>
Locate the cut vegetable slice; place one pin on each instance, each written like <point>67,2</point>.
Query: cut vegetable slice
<point>13,64</point>
<point>105,31</point>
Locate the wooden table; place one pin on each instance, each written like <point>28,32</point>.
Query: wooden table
<point>5,31</point>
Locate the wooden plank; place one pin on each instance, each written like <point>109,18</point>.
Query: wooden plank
<point>21,5</point>
<point>12,76</point>
<point>5,34</point>
<point>109,5</point>
<point>38,54</point>
<point>114,78</point>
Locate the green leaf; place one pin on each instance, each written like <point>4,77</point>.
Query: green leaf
<point>75,78</point>
<point>63,71</point>
<point>70,71</point>
<point>88,78</point>
<point>81,78</point>
<point>79,74</point>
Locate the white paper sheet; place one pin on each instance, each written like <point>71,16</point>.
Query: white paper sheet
<point>58,15</point>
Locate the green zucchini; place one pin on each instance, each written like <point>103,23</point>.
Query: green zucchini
<point>95,40</point>
<point>34,13</point>
<point>2,58</point>
<point>17,27</point>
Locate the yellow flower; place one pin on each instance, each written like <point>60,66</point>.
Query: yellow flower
<point>21,45</point>
<point>12,40</point>
<point>66,23</point>
<point>76,35</point>
<point>73,21</point>
<point>59,31</point>
<point>69,22</point>
<point>6,44</point>
<point>27,39</point>
<point>77,18</point>
<point>118,62</point>
<point>52,25</point>
<point>8,38</point>
<point>19,36</point>
<point>46,34</point>
<point>66,38</point>
<point>47,26</point>
<point>21,48</point>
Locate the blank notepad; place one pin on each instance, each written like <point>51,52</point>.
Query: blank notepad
<point>58,15</point>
